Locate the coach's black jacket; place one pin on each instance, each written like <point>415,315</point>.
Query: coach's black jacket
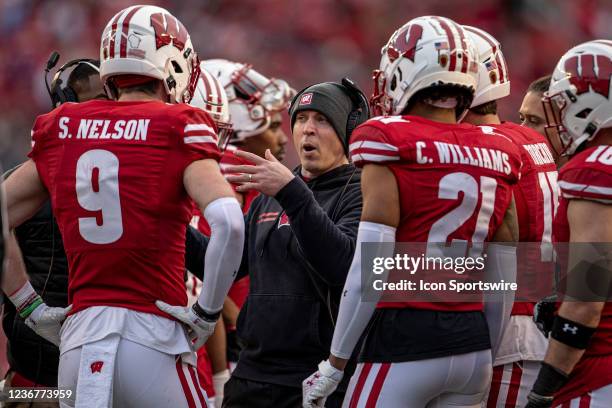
<point>45,261</point>
<point>298,248</point>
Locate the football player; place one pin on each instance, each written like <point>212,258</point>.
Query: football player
<point>523,345</point>
<point>423,181</point>
<point>531,113</point>
<point>212,359</point>
<point>256,104</point>
<point>121,176</point>
<point>577,369</point>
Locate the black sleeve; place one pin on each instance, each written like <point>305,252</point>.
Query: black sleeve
<point>196,244</point>
<point>243,270</point>
<point>195,249</point>
<point>329,247</point>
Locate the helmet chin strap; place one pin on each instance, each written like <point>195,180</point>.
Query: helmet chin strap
<point>444,103</point>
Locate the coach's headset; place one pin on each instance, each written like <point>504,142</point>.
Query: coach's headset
<point>60,94</point>
<point>360,113</point>
<point>361,107</point>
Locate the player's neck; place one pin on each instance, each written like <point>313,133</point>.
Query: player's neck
<point>476,119</point>
<point>138,96</point>
<point>433,113</point>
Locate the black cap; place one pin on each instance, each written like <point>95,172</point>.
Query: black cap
<point>329,99</point>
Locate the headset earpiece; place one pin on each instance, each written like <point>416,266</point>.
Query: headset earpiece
<point>59,94</point>
<point>361,107</point>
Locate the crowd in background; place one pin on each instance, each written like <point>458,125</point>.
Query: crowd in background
<point>301,41</point>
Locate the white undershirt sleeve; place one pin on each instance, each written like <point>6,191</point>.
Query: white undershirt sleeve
<point>224,251</point>
<point>354,314</point>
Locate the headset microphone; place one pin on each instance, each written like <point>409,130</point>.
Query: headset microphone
<point>51,63</point>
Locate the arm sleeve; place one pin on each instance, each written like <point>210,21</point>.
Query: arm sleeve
<point>331,257</point>
<point>354,314</point>
<point>224,251</point>
<point>501,265</point>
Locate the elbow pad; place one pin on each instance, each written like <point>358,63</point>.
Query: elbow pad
<point>224,251</point>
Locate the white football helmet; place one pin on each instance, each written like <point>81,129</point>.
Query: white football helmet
<point>493,82</point>
<point>252,97</point>
<point>579,101</point>
<point>210,96</point>
<point>425,52</point>
<point>149,41</point>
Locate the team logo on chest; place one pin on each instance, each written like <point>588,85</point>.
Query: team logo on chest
<point>284,220</point>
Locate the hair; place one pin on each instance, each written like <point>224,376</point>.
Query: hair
<point>540,85</point>
<point>487,108</point>
<point>464,95</point>
<point>81,73</point>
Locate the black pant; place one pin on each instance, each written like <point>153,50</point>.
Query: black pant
<point>241,393</point>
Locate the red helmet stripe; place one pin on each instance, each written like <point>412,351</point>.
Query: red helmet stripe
<point>465,62</point>
<point>451,43</point>
<point>501,63</point>
<point>111,43</point>
<point>125,30</point>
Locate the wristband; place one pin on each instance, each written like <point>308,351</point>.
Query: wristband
<point>202,314</point>
<point>25,300</point>
<point>571,333</point>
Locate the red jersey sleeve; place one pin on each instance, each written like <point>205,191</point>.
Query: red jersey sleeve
<point>371,143</point>
<point>39,134</point>
<point>588,175</point>
<point>198,134</point>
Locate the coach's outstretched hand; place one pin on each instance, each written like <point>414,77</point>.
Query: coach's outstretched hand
<point>47,321</point>
<point>198,328</point>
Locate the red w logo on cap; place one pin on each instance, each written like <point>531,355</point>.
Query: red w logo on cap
<point>96,366</point>
<point>168,30</point>
<point>599,83</point>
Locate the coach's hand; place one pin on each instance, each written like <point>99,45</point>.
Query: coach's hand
<point>198,328</point>
<point>267,175</point>
<point>47,321</point>
<point>320,385</point>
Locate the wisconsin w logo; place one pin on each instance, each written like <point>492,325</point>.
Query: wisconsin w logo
<point>599,82</point>
<point>405,43</point>
<point>168,30</point>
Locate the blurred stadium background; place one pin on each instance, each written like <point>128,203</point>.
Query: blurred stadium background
<point>301,41</point>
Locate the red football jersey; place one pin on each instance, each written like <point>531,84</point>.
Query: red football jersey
<point>240,289</point>
<point>587,176</point>
<point>455,181</point>
<point>114,171</point>
<point>536,196</point>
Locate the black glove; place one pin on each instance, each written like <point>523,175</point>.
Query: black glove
<point>544,314</point>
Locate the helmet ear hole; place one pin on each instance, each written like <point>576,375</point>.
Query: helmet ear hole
<point>177,68</point>
<point>584,113</point>
<point>393,83</point>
